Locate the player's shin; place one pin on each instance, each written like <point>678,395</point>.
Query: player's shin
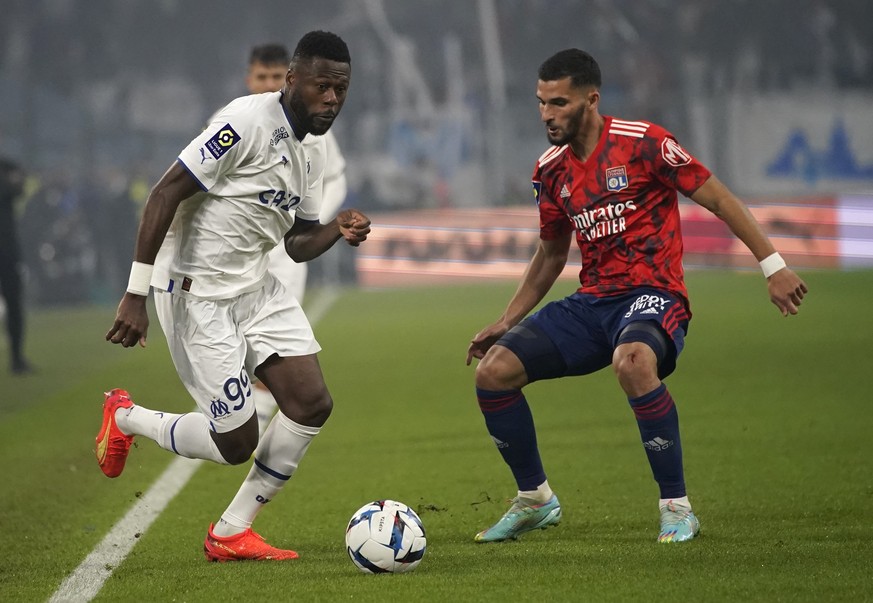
<point>510,423</point>
<point>277,457</point>
<point>658,422</point>
<point>186,435</point>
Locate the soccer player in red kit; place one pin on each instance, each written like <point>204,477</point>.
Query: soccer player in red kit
<point>611,184</point>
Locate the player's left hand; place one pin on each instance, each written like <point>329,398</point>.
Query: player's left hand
<point>786,290</point>
<point>485,339</point>
<point>354,226</point>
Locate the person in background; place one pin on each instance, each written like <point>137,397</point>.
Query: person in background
<point>610,184</point>
<point>11,186</point>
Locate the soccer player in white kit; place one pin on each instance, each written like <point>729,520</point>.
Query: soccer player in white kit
<point>268,64</point>
<point>252,178</point>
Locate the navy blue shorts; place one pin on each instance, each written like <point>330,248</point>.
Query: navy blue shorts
<point>578,334</point>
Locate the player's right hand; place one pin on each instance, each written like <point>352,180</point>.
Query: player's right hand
<point>131,322</point>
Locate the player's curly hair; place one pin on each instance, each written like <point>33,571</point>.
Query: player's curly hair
<point>576,64</point>
<point>324,45</point>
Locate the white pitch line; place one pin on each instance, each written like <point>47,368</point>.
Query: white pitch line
<point>86,580</point>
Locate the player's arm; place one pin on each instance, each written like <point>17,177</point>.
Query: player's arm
<point>785,287</point>
<point>541,273</point>
<point>308,239</point>
<point>131,319</point>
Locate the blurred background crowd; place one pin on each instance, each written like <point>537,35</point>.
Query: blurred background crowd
<point>97,97</point>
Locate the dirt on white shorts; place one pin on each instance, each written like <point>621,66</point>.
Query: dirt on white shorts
<point>217,344</point>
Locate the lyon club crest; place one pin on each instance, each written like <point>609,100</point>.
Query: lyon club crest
<point>616,179</point>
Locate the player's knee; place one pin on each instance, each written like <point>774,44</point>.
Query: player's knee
<point>635,365</point>
<point>308,408</point>
<point>321,409</point>
<point>497,371</point>
<point>239,455</point>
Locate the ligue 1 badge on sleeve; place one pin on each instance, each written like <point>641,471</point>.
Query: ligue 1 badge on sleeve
<point>222,141</point>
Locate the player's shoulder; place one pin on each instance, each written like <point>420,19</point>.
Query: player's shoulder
<point>638,129</point>
<point>550,156</point>
<point>247,111</point>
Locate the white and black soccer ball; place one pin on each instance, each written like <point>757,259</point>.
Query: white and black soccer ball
<point>385,536</point>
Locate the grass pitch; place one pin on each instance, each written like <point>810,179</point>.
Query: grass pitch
<point>776,417</point>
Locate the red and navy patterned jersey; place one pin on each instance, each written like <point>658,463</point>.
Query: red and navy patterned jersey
<point>622,204</point>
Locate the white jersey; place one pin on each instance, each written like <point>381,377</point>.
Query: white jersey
<point>256,179</point>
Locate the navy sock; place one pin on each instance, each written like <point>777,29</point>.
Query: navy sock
<point>510,423</point>
<point>658,421</point>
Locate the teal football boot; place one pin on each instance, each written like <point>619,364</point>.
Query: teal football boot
<point>522,518</point>
<point>678,524</point>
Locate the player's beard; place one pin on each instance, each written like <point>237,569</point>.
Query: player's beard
<point>570,132</point>
<point>307,119</point>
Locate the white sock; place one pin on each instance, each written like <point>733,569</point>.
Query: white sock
<point>678,502</point>
<point>265,406</point>
<point>187,435</point>
<point>283,445</point>
<point>536,497</point>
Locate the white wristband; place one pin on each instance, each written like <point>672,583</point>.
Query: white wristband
<point>140,278</point>
<point>772,264</point>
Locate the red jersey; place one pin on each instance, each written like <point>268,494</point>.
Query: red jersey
<point>622,203</point>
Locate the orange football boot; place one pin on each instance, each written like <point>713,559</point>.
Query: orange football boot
<point>112,444</point>
<point>248,545</point>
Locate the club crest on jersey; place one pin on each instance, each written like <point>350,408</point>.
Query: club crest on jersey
<point>673,153</point>
<point>537,189</point>
<point>616,179</point>
<point>222,141</point>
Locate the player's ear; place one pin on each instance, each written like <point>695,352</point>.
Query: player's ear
<point>593,98</point>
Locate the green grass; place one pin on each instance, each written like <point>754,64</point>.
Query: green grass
<point>776,417</point>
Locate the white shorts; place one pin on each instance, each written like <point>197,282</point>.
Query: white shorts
<point>217,344</point>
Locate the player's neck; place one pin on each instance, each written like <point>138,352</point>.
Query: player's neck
<point>585,143</point>
<point>293,120</point>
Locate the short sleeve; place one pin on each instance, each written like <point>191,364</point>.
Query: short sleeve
<point>672,164</point>
<point>217,151</point>
<point>553,219</point>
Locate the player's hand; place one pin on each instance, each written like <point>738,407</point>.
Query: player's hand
<point>354,226</point>
<point>484,339</point>
<point>131,322</point>
<point>786,290</point>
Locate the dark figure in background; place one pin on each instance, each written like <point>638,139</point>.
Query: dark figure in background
<point>11,187</point>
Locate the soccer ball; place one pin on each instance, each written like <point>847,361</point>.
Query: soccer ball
<point>385,536</point>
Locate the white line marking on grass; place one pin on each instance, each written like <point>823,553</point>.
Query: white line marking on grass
<point>86,580</point>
